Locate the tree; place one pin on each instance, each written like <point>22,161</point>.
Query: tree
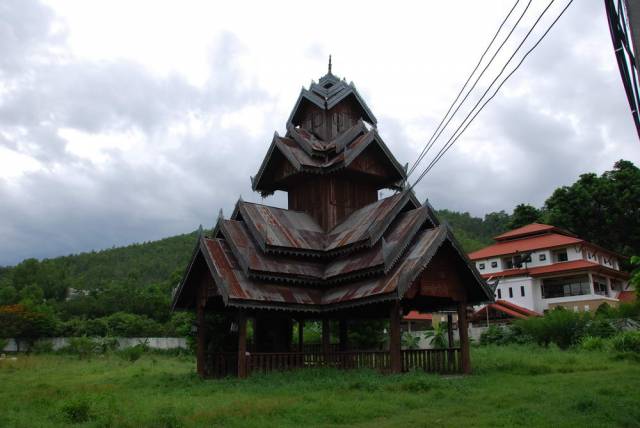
<point>524,214</point>
<point>602,209</point>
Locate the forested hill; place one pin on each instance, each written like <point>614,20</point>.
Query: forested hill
<point>135,265</point>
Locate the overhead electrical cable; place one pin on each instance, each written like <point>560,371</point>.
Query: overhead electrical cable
<point>455,137</point>
<point>434,137</point>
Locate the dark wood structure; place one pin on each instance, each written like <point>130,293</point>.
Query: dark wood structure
<point>338,253</point>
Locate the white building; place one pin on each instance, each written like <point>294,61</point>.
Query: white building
<point>540,267</point>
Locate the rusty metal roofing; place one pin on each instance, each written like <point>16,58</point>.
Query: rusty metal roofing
<point>238,287</point>
<point>306,153</point>
<point>327,93</point>
<point>398,230</point>
<point>281,230</point>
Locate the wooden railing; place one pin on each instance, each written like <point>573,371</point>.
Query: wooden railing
<point>432,360</point>
<point>429,360</point>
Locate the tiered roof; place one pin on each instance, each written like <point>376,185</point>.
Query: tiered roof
<point>372,251</point>
<point>267,256</point>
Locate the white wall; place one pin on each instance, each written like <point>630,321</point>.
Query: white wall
<point>123,342</point>
<point>526,301</point>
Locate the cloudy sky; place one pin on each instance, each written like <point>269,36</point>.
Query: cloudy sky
<point>128,121</point>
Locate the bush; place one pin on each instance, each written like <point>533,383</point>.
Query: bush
<point>600,328</point>
<point>42,346</point>
<point>494,335</point>
<point>77,412</point>
<point>591,343</point>
<point>504,335</point>
<point>409,341</point>
<point>3,343</point>
<point>83,346</point>
<point>628,341</point>
<point>560,326</point>
<point>107,344</point>
<point>133,353</point>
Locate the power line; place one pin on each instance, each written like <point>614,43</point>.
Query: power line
<point>432,141</point>
<point>452,140</point>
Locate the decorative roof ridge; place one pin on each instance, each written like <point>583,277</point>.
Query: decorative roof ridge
<point>395,253</point>
<point>255,180</point>
<point>327,98</point>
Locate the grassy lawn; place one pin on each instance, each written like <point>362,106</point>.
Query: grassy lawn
<point>511,386</point>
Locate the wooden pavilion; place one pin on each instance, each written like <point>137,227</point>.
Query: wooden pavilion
<point>337,254</point>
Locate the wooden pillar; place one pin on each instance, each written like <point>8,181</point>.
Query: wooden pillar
<point>201,354</point>
<point>326,338</point>
<point>450,329</point>
<point>464,338</point>
<point>301,335</point>
<point>242,345</point>
<point>394,337</point>
<point>344,335</point>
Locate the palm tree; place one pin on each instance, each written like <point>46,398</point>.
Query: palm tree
<point>438,336</point>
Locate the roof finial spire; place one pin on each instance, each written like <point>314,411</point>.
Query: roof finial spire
<point>329,64</point>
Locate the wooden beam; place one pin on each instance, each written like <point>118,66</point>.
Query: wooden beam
<point>326,337</point>
<point>344,335</point>
<point>242,345</point>
<point>450,329</point>
<point>395,343</point>
<point>464,337</point>
<point>201,354</point>
<point>301,335</point>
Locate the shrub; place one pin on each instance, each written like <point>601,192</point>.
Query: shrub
<point>438,336</point>
<point>409,341</point>
<point>591,343</point>
<point>600,328</point>
<point>133,353</point>
<point>83,346</point>
<point>42,346</point>
<point>107,344</point>
<point>77,412</point>
<point>494,335</point>
<point>559,326</point>
<point>628,341</point>
<point>504,335</point>
<point>3,343</point>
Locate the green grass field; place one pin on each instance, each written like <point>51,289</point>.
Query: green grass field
<point>511,386</point>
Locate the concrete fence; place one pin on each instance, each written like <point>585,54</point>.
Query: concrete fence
<point>123,342</point>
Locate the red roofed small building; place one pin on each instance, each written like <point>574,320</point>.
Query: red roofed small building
<point>539,267</point>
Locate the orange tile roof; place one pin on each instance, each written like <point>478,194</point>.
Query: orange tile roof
<point>556,268</point>
<point>548,240</point>
<point>627,296</point>
<point>417,316</point>
<point>505,307</point>
<point>530,229</point>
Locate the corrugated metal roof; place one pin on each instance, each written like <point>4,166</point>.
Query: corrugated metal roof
<point>237,286</point>
<point>279,229</point>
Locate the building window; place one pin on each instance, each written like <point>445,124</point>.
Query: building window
<point>499,294</point>
<point>600,285</point>
<point>494,264</point>
<point>564,287</point>
<point>587,308</point>
<point>561,256</point>
<point>527,258</point>
<point>510,292</point>
<point>542,257</point>
<point>507,263</point>
<point>481,266</point>
<point>522,290</point>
